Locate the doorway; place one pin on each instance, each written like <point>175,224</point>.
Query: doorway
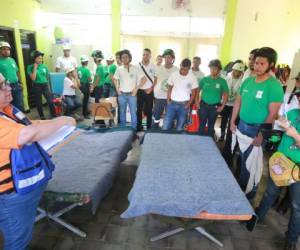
<point>28,45</point>
<point>7,35</point>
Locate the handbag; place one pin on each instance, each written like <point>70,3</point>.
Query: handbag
<point>283,171</point>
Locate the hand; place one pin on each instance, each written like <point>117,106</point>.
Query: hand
<point>291,131</point>
<point>187,106</point>
<point>92,88</point>
<point>148,91</point>
<point>35,65</point>
<point>220,109</point>
<point>168,100</point>
<point>284,123</point>
<point>232,127</point>
<point>118,91</point>
<point>258,140</point>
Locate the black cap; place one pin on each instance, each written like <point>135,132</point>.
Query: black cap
<point>169,52</point>
<point>34,54</point>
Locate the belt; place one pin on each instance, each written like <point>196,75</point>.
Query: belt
<point>180,103</point>
<point>212,105</point>
<point>126,93</point>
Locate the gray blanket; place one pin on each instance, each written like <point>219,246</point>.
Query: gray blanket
<point>88,164</point>
<point>183,175</point>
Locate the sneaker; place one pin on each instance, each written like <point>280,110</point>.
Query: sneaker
<point>251,223</point>
<point>289,246</point>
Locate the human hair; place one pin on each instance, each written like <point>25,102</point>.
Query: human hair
<point>147,50</point>
<point>186,63</point>
<point>197,57</point>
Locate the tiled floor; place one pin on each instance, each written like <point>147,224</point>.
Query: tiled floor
<point>107,231</point>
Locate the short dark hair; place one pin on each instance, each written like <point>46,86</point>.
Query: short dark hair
<point>84,63</point>
<point>118,53</point>
<point>127,52</point>
<point>252,52</point>
<point>147,50</point>
<point>186,63</point>
<point>197,57</point>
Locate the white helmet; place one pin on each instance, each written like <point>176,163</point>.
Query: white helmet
<point>4,44</point>
<point>68,70</point>
<point>84,58</point>
<point>239,67</point>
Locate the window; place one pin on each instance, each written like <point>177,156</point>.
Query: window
<point>207,53</point>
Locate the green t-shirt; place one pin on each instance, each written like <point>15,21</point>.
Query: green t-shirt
<point>9,69</point>
<point>100,71</point>
<point>84,74</point>
<point>42,73</point>
<point>256,98</point>
<point>286,145</point>
<point>212,89</point>
<point>111,71</point>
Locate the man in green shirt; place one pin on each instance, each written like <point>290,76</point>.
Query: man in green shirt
<point>38,73</point>
<point>10,70</point>
<point>214,96</point>
<point>85,77</point>
<point>112,70</point>
<point>99,78</point>
<point>290,147</point>
<point>257,105</point>
<point>108,82</point>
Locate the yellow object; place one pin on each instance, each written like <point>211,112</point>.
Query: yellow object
<point>58,33</point>
<point>283,171</point>
<point>116,25</point>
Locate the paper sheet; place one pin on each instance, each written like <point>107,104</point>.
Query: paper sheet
<point>56,138</point>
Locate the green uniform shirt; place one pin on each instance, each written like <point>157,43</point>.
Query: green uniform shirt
<point>256,97</point>
<point>111,71</point>
<point>212,89</point>
<point>42,73</point>
<point>286,145</point>
<point>100,71</point>
<point>84,74</point>
<point>9,69</point>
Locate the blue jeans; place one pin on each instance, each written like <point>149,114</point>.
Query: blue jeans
<point>159,107</point>
<point>72,102</point>
<point>207,115</point>
<point>270,197</point>
<point>17,216</point>
<point>16,91</point>
<point>251,131</point>
<point>175,111</point>
<point>124,100</point>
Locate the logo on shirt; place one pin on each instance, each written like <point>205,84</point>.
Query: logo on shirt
<point>44,70</point>
<point>14,66</point>
<point>131,75</point>
<point>218,85</point>
<point>259,94</point>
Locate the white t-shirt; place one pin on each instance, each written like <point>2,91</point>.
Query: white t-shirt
<point>127,78</point>
<point>198,74</point>
<point>234,87</point>
<point>67,87</point>
<point>150,69</point>
<point>182,86</point>
<point>162,74</point>
<point>285,107</point>
<point>64,63</point>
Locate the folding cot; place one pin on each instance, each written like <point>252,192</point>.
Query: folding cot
<point>184,179</point>
<point>85,171</point>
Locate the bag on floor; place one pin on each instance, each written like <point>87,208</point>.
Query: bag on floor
<point>283,171</point>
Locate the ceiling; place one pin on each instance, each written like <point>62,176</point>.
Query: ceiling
<point>195,8</point>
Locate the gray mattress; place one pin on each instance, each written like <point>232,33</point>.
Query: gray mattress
<point>182,175</point>
<point>88,164</point>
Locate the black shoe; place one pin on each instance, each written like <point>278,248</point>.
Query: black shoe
<point>289,246</point>
<point>43,118</point>
<point>251,223</point>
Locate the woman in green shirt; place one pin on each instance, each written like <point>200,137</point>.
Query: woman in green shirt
<point>38,73</point>
<point>290,147</point>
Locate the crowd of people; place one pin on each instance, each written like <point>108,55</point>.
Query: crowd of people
<point>249,99</point>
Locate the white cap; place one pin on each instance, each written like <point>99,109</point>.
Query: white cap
<point>66,46</point>
<point>110,58</point>
<point>68,70</point>
<point>84,58</point>
<point>2,78</point>
<point>239,67</point>
<point>4,44</point>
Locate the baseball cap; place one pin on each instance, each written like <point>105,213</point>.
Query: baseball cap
<point>239,67</point>
<point>84,58</point>
<point>4,44</point>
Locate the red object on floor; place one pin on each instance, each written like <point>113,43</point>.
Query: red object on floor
<point>57,106</point>
<point>194,118</point>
